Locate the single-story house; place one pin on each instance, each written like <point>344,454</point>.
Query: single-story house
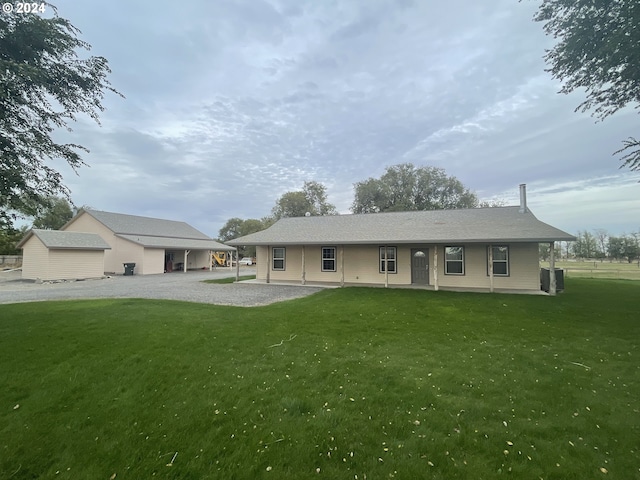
<point>491,249</point>
<point>56,255</point>
<point>154,245</point>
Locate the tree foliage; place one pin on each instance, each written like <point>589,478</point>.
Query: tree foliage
<point>312,199</point>
<point>44,85</point>
<point>598,50</point>
<point>9,238</point>
<point>405,187</point>
<point>237,227</point>
<point>53,214</point>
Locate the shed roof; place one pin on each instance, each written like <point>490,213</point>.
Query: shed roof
<point>477,225</point>
<point>59,240</point>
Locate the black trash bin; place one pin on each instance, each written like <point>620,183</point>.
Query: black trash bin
<point>545,279</point>
<point>128,268</point>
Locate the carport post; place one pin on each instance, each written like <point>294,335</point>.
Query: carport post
<point>184,267</point>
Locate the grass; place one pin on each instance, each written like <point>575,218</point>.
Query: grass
<point>351,383</point>
<point>230,279</point>
<point>598,269</point>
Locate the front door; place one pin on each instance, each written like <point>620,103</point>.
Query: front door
<point>420,266</point>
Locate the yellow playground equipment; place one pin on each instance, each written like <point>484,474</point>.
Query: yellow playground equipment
<point>220,259</point>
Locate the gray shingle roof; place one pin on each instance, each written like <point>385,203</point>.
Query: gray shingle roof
<point>177,243</point>
<point>156,232</point>
<point>56,239</point>
<point>503,224</point>
<point>136,225</point>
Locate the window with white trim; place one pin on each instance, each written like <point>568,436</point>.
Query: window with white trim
<point>500,260</point>
<point>390,259</point>
<point>454,260</point>
<point>328,259</point>
<point>278,258</point>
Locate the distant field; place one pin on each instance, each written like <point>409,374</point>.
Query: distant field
<point>352,383</point>
<point>597,269</point>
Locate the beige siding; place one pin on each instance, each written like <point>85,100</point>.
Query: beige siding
<point>361,266</point>
<point>45,264</point>
<point>261,262</point>
<point>35,259</point>
<point>128,252</point>
<point>153,262</point>
<point>78,264</point>
<point>523,268</point>
<point>86,223</point>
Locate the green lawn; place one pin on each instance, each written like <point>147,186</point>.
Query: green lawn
<point>349,383</point>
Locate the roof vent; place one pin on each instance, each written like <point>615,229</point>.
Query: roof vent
<point>523,198</point>
<point>308,214</point>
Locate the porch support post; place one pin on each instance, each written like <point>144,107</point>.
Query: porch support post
<point>268,263</point>
<point>237,267</point>
<point>303,280</point>
<point>435,267</point>
<point>342,265</point>
<point>491,268</point>
<point>386,269</point>
<point>552,269</point>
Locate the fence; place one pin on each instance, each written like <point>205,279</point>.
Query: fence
<point>7,261</point>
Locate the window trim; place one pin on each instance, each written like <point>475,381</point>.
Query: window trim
<point>333,259</point>
<point>274,258</point>
<point>393,260</point>
<point>447,261</point>
<point>507,262</point>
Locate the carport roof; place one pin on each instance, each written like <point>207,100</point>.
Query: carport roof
<point>176,243</point>
<point>56,239</point>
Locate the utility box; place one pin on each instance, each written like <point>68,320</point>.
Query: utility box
<point>545,279</point>
<point>128,268</point>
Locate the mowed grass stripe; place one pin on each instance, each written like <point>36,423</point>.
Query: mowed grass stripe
<point>354,381</point>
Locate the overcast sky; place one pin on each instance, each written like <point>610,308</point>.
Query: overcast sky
<point>231,103</point>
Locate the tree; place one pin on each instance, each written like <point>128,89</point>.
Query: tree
<point>405,187</point>
<point>237,227</point>
<point>602,237</point>
<point>53,214</point>
<point>585,245</point>
<point>9,238</point>
<point>43,86</point>
<point>312,199</point>
<point>599,51</point>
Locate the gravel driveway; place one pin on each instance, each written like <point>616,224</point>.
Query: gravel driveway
<point>172,286</point>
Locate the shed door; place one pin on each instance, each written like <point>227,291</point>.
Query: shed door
<point>420,266</point>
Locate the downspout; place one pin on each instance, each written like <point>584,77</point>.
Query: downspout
<point>304,268</point>
<point>210,261</point>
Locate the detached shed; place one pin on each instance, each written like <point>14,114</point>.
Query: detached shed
<point>56,255</point>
